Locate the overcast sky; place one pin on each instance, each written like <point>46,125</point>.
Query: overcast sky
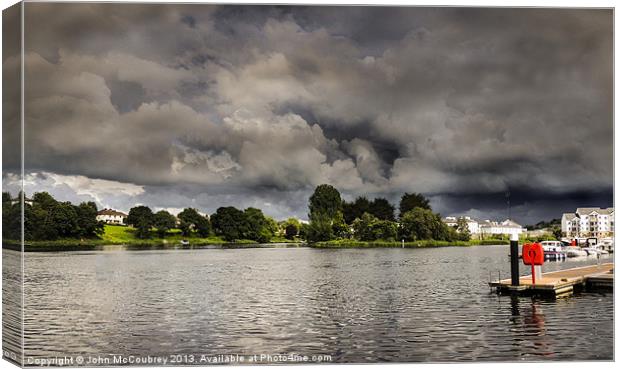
<point>204,106</point>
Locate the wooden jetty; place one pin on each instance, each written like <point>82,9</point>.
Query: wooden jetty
<point>562,282</point>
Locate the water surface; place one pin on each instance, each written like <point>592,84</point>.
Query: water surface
<point>355,305</point>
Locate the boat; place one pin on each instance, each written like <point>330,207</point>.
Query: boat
<point>574,251</point>
<point>597,249</point>
<point>184,242</point>
<point>553,250</point>
<point>606,245</point>
<point>592,251</point>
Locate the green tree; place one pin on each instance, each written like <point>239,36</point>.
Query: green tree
<point>163,221</point>
<point>291,228</point>
<point>141,218</point>
<point>230,223</point>
<point>409,201</point>
<point>325,202</point>
<point>64,219</point>
<point>191,220</point>
<point>462,228</point>
<point>271,225</point>
<point>340,229</point>
<point>370,228</point>
<point>258,228</point>
<point>87,224</point>
<point>423,224</point>
<point>11,218</point>
<point>304,229</point>
<point>355,209</point>
<point>6,198</point>
<point>362,227</point>
<point>382,209</point>
<point>44,200</point>
<point>320,228</point>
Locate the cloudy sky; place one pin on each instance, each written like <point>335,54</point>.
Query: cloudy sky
<point>197,105</point>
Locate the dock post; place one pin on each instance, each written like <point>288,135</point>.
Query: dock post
<point>514,259</point>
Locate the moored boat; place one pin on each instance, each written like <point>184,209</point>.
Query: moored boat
<point>553,250</point>
<point>574,251</point>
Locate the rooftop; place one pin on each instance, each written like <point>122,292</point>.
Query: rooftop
<point>111,212</point>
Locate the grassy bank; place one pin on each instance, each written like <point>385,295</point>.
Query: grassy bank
<point>417,244</point>
<point>121,235</point>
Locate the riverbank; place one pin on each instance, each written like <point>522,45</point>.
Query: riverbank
<point>336,244</point>
<point>122,235</point>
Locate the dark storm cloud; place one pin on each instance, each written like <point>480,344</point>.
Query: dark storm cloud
<point>258,104</point>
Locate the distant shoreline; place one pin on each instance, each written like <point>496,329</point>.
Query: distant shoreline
<point>99,245</point>
<point>342,244</point>
<point>159,244</point>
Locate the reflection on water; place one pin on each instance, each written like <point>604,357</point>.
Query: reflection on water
<point>11,306</point>
<point>358,305</point>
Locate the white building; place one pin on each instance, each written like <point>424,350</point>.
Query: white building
<point>588,222</point>
<point>111,216</point>
<point>487,227</point>
<point>508,226</point>
<point>472,224</point>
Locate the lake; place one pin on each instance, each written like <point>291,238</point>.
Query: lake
<point>338,305</point>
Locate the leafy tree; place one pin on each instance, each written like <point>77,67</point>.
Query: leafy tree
<point>6,198</point>
<point>44,200</point>
<point>141,218</point>
<point>325,202</point>
<point>163,221</point>
<point>385,230</point>
<point>462,228</point>
<point>304,229</point>
<point>370,228</point>
<point>258,228</point>
<point>192,220</point>
<point>87,223</point>
<point>355,209</point>
<point>48,219</point>
<point>320,228</point>
<point>362,227</point>
<point>291,228</point>
<point>271,225</point>
<point>382,209</point>
<point>557,232</point>
<point>65,219</point>
<point>230,223</point>
<point>423,224</point>
<point>339,228</point>
<point>11,218</point>
<point>409,201</point>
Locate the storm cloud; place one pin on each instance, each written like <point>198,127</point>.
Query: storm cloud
<point>205,106</point>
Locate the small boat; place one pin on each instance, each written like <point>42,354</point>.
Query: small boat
<point>184,242</point>
<point>591,251</point>
<point>597,249</point>
<point>574,251</point>
<point>606,245</point>
<point>553,250</point>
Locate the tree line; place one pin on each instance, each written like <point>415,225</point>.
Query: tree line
<point>45,218</point>
<point>332,218</point>
<point>49,219</point>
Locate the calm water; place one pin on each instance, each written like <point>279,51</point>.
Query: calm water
<point>356,305</point>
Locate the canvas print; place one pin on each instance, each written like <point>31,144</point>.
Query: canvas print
<point>201,184</point>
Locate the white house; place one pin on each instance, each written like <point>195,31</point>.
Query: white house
<point>588,222</point>
<point>472,224</point>
<point>508,226</point>
<point>111,216</point>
